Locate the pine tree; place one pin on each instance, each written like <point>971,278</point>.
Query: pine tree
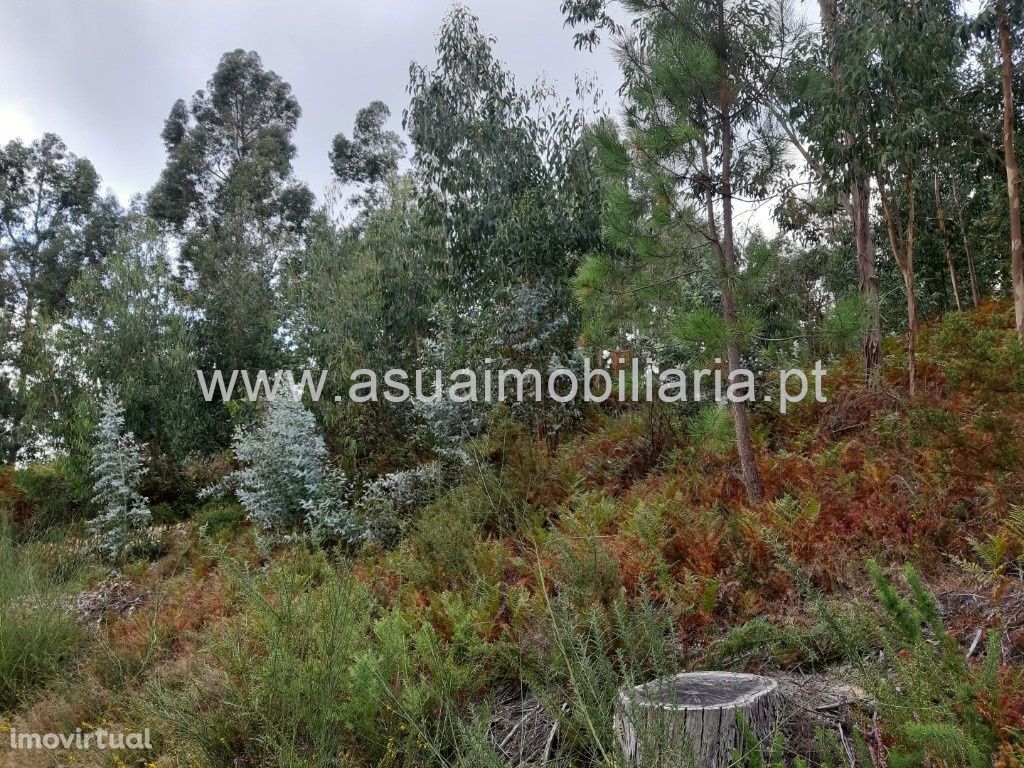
<point>118,465</point>
<point>698,137</point>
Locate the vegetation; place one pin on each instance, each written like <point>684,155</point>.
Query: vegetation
<point>291,582</point>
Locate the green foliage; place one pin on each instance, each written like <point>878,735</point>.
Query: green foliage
<point>343,288</point>
<point>294,696</point>
<point>55,496</point>
<point>561,552</point>
<point>286,481</point>
<point>227,188</point>
<point>52,223</point>
<point>845,326</point>
<point>590,655</point>
<point>999,550</point>
<point>901,611</point>
<point>712,429</point>
<point>371,156</point>
<point>389,502</point>
<point>38,637</point>
<point>118,465</point>
<point>131,332</point>
<point>218,515</point>
<point>509,199</point>
<point>320,674</point>
<point>242,125</point>
<point>929,696</point>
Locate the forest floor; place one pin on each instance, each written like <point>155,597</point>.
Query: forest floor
<point>499,628</point>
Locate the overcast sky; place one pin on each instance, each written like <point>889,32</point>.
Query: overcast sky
<point>103,73</point>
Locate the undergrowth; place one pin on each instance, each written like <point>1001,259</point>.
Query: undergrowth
<point>520,598</point>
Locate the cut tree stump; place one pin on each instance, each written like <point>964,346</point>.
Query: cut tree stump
<point>692,719</point>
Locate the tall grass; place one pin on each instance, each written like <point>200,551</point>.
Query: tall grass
<point>37,636</point>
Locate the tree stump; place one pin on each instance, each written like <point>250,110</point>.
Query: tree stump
<point>692,719</point>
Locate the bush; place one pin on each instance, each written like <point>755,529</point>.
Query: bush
<point>313,678</point>
<point>219,515</point>
<point>287,482</point>
<point>54,496</point>
<point>386,504</point>
<point>37,637</point>
<point>937,707</point>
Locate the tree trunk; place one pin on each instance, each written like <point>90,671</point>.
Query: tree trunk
<point>908,283</point>
<point>727,255</point>
<point>975,295</point>
<point>902,241</point>
<point>867,280</point>
<point>1012,169</point>
<point>860,215</point>
<point>694,719</point>
<point>945,243</point>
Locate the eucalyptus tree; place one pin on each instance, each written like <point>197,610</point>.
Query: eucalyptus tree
<point>370,158</point>
<point>360,296</point>
<point>508,199</point>
<point>227,188</point>
<point>1002,19</point>
<point>900,67</point>
<point>121,524</point>
<point>130,331</point>
<point>834,145</point>
<point>501,170</point>
<point>971,161</point>
<point>47,201</point>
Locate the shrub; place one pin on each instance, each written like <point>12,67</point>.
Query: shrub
<point>219,515</point>
<point>55,497</point>
<point>935,705</point>
<point>446,534</point>
<point>121,527</point>
<point>14,506</point>
<point>584,657</point>
<point>287,482</point>
<point>386,504</point>
<point>319,674</point>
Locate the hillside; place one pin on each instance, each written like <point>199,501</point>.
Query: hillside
<point>500,624</point>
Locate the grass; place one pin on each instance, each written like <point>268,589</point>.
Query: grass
<point>38,637</point>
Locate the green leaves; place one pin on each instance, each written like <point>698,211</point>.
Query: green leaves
<point>843,329</point>
<point>712,429</point>
<point>507,176</point>
<point>229,152</point>
<point>373,151</point>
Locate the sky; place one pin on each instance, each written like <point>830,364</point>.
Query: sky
<point>103,74</point>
